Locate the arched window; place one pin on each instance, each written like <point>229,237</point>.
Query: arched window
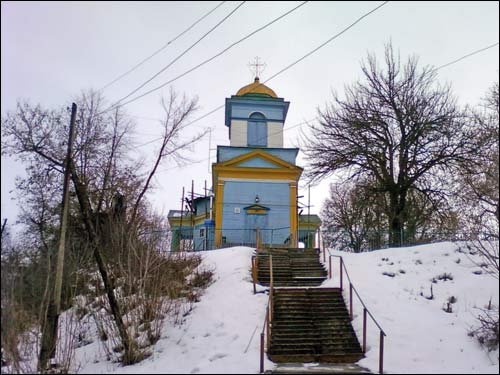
<point>257,130</point>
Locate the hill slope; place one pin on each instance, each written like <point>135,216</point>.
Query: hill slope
<point>222,333</point>
<point>395,284</point>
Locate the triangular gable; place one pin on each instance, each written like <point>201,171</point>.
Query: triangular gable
<point>258,159</point>
<point>257,162</point>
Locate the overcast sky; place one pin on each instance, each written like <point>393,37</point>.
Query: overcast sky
<point>50,51</point>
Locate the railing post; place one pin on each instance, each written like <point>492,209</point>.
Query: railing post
<point>350,300</point>
<point>364,329</point>
<point>254,274</point>
<point>262,353</point>
<point>381,354</point>
<point>330,267</point>
<point>271,286</point>
<point>341,275</point>
<point>268,329</point>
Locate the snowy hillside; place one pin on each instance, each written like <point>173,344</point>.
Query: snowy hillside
<point>222,333</point>
<point>421,336</point>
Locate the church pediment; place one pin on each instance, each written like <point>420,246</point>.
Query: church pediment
<point>257,162</point>
<point>258,159</point>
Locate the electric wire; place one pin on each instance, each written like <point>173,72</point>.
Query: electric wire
<point>160,49</point>
<point>282,70</point>
<point>117,103</point>
<point>468,55</point>
<point>207,60</point>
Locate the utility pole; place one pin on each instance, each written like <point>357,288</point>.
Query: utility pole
<point>181,244</point>
<point>5,222</point>
<point>49,336</point>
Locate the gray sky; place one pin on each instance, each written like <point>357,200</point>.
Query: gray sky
<point>50,51</point>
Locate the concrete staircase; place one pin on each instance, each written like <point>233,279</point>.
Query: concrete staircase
<point>312,325</point>
<point>291,267</point>
<point>309,324</point>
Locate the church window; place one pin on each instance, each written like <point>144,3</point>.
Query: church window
<point>257,130</point>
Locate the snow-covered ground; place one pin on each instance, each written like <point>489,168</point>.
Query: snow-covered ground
<point>222,333</point>
<point>421,336</point>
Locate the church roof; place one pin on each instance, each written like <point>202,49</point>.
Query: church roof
<point>256,88</point>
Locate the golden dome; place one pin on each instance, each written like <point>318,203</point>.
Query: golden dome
<point>256,88</point>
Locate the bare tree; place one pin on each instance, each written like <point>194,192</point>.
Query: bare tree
<point>478,184</point>
<point>353,217</point>
<point>398,126</point>
<point>100,171</point>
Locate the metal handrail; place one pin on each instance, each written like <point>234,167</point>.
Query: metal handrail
<point>365,309</point>
<point>359,297</point>
<point>266,328</point>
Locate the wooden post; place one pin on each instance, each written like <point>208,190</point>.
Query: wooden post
<point>49,336</point>
<point>192,216</point>
<point>3,226</point>
<point>181,244</point>
<point>381,354</point>
<point>364,330</point>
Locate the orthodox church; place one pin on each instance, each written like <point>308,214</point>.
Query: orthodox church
<point>254,183</point>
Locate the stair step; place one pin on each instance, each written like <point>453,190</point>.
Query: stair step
<point>321,358</point>
<point>319,368</point>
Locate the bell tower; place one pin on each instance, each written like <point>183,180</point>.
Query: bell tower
<point>255,117</point>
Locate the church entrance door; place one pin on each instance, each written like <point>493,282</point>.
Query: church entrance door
<point>254,222</point>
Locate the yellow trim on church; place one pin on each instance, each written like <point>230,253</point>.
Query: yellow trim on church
<point>219,193</point>
<point>257,211</point>
<point>256,153</point>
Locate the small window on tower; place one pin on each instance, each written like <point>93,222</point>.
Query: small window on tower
<point>202,232</point>
<point>257,130</point>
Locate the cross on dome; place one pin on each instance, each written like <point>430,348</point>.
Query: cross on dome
<point>257,67</point>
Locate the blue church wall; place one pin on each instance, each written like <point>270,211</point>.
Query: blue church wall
<point>243,111</point>
<point>274,224</point>
<point>242,108</point>
<point>202,205</point>
<point>227,152</point>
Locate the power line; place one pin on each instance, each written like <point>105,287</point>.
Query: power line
<point>284,69</point>
<point>328,41</point>
<point>278,73</point>
<point>216,109</point>
<point>206,159</point>
<point>116,104</point>
<point>207,60</point>
<point>468,55</point>
<point>302,58</point>
<point>160,49</point>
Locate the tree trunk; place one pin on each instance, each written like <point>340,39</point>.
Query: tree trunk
<point>397,218</point>
<point>86,212</point>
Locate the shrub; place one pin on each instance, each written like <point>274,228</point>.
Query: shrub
<point>486,332</point>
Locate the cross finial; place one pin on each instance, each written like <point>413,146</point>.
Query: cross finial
<point>257,67</point>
